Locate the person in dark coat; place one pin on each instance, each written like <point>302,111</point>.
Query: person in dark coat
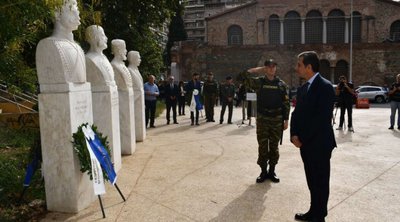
<point>193,85</point>
<point>311,131</point>
<point>171,91</point>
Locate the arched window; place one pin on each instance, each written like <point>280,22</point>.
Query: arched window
<point>235,35</point>
<point>356,27</point>
<point>342,68</point>
<point>335,26</point>
<point>395,31</point>
<point>314,26</point>
<point>325,69</point>
<point>292,28</point>
<point>274,29</point>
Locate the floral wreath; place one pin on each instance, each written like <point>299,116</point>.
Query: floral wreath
<point>80,148</point>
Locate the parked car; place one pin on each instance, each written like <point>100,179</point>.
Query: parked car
<point>373,93</point>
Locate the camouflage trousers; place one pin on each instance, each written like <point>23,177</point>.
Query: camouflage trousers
<point>269,130</point>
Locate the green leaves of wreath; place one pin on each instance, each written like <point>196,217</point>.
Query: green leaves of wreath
<point>79,145</point>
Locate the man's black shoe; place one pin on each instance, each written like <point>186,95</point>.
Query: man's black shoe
<point>152,126</point>
<point>318,220</point>
<point>263,176</point>
<point>303,217</point>
<point>212,120</point>
<point>273,177</point>
<point>176,122</point>
<point>168,122</point>
<point>398,127</point>
<point>229,122</point>
<point>391,127</point>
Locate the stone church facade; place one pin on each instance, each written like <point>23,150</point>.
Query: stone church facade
<point>245,36</point>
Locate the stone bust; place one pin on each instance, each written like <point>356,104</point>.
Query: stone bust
<point>122,75</point>
<point>134,62</point>
<point>99,69</point>
<point>59,59</point>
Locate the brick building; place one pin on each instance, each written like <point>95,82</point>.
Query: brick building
<point>245,36</point>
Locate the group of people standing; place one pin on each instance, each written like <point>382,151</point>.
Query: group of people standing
<point>197,94</point>
<point>310,124</point>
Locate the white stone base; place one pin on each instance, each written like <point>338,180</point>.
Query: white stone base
<point>127,121</point>
<point>140,121</point>
<point>67,189</point>
<point>106,118</point>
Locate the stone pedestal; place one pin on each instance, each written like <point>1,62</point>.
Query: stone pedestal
<point>127,121</point>
<point>62,108</point>
<point>140,119</point>
<point>106,118</point>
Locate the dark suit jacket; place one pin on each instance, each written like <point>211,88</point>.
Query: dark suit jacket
<point>312,117</point>
<point>171,95</point>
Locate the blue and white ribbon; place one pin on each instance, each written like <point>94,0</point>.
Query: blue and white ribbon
<point>99,159</point>
<point>195,103</point>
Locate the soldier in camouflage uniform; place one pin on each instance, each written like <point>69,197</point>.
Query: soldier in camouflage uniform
<point>272,117</point>
<point>210,92</point>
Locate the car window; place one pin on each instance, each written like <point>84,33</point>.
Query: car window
<point>363,89</point>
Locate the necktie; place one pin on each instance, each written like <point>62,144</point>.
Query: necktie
<point>306,85</point>
<point>304,89</point>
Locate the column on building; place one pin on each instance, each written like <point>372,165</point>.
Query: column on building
<point>364,30</point>
<point>260,31</point>
<point>303,31</point>
<point>282,35</point>
<point>324,30</point>
<point>332,69</point>
<point>346,30</point>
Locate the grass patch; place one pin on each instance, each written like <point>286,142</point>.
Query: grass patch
<point>15,154</point>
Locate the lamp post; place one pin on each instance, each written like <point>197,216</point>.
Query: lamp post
<point>351,42</point>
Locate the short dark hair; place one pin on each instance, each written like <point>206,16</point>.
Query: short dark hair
<point>228,77</point>
<point>310,58</point>
<point>195,74</point>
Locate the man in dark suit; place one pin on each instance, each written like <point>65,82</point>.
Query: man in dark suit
<point>171,95</point>
<point>311,131</point>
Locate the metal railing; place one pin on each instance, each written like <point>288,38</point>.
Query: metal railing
<point>18,98</point>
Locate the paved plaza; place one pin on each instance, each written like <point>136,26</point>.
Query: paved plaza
<point>207,173</point>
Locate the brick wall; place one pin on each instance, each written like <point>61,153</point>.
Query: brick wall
<point>378,62</point>
<point>377,18</point>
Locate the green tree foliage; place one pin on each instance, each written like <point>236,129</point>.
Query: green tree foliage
<point>24,22</point>
<point>176,32</point>
<point>136,22</point>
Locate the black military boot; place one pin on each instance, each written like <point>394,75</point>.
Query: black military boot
<point>271,174</point>
<point>263,176</point>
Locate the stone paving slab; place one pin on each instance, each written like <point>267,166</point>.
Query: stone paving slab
<point>207,173</point>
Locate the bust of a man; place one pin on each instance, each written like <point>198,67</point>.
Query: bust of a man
<point>134,62</point>
<point>122,75</point>
<point>59,59</point>
<point>99,69</point>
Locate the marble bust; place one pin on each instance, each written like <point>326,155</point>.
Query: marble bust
<point>134,62</point>
<point>99,69</point>
<point>65,102</point>
<point>137,81</point>
<point>122,75</point>
<point>59,59</point>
